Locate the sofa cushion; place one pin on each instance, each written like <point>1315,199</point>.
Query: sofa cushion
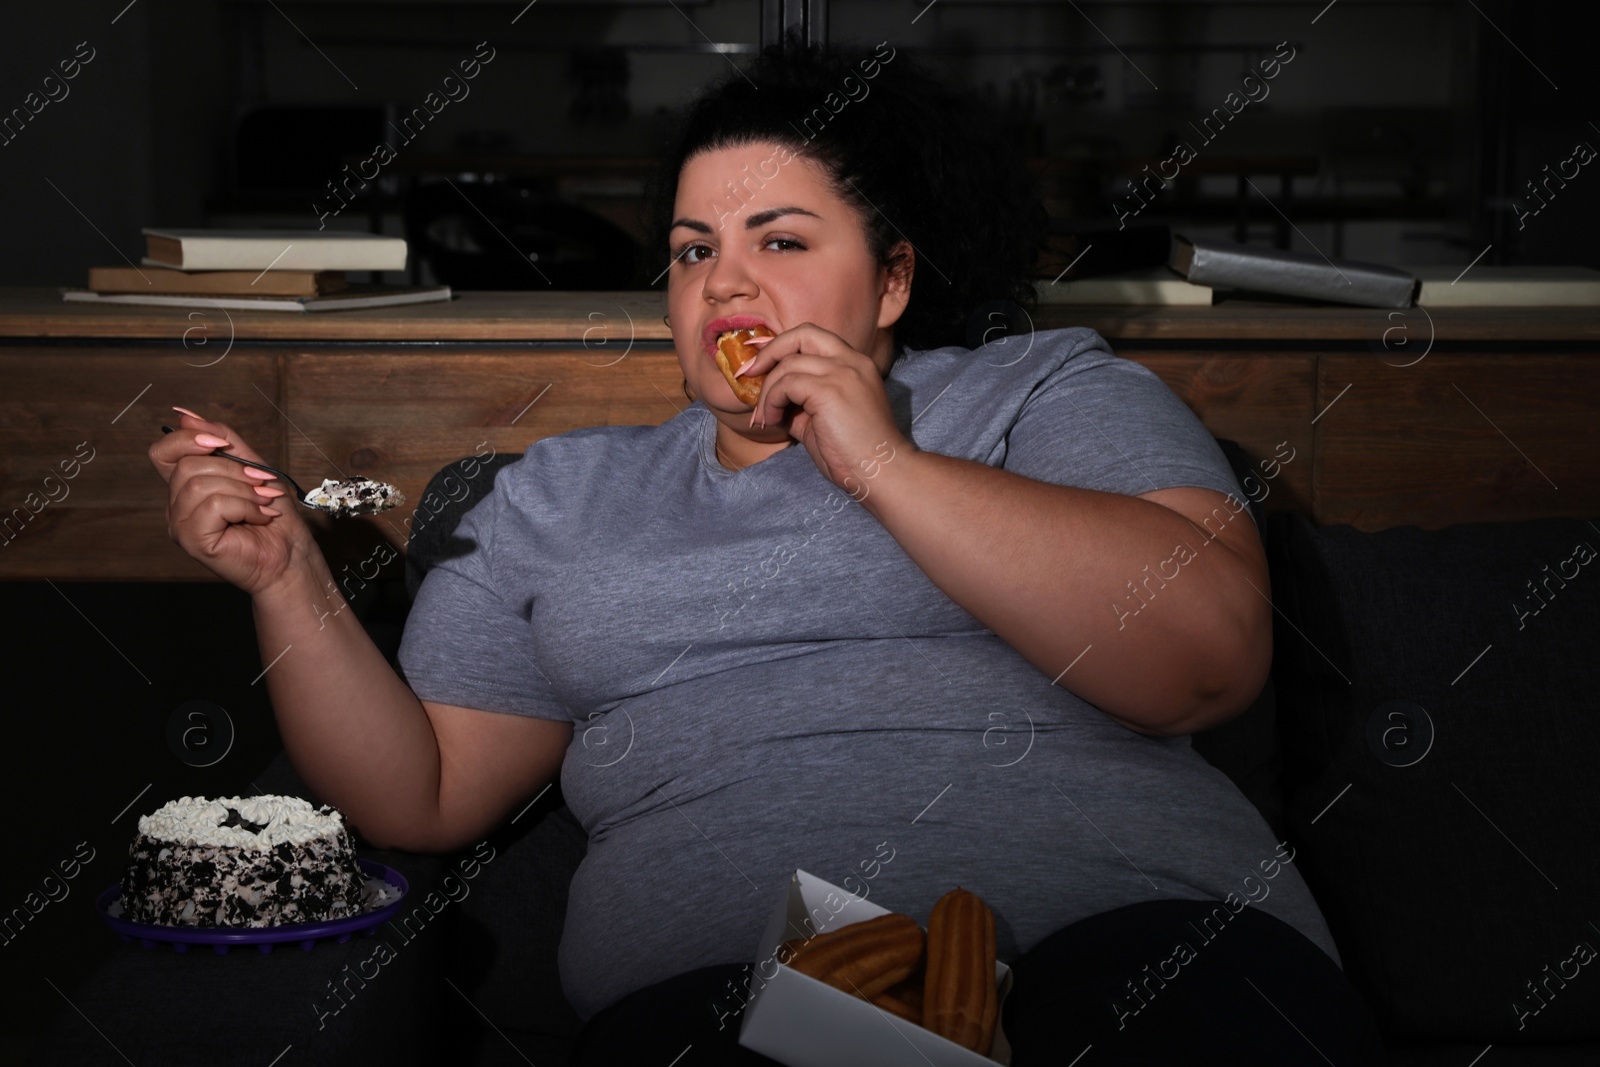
<point>1438,715</point>
<point>451,493</point>
<point>504,959</point>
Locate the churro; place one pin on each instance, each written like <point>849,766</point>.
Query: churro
<point>864,958</point>
<point>959,993</point>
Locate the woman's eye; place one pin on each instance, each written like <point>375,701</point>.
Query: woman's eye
<point>691,254</point>
<point>788,244</point>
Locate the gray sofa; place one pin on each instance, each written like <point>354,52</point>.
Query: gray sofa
<point>1442,807</point>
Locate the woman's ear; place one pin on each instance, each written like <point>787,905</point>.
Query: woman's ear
<point>895,284</point>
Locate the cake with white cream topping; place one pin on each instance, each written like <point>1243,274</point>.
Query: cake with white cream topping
<point>241,862</point>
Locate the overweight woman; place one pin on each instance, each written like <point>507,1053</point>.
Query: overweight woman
<point>923,616</point>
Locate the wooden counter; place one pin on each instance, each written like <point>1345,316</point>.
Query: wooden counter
<point>1453,415</point>
<point>481,317</point>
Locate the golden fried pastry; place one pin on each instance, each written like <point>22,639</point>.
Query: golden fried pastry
<point>732,352</point>
<point>960,1000</point>
<point>904,1000</point>
<point>864,958</point>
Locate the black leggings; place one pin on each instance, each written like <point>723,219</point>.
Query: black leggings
<point>1251,989</point>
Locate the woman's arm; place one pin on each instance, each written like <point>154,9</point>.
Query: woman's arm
<point>408,773</point>
<point>1161,622</point>
<point>1153,608</point>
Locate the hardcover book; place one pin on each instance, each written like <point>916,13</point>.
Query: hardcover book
<point>356,296</point>
<point>154,279</point>
<point>1312,277</point>
<point>315,250</point>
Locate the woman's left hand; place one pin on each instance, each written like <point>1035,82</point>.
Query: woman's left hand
<point>844,419</point>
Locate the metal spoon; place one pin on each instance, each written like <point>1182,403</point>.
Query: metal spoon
<point>336,508</point>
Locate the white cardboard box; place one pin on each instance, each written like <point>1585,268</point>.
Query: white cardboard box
<point>800,1021</point>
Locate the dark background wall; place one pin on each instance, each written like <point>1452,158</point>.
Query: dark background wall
<point>1457,103</point>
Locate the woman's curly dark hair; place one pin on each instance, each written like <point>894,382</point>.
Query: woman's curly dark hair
<point>918,160</point>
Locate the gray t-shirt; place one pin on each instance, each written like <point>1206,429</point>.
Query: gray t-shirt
<point>761,679</point>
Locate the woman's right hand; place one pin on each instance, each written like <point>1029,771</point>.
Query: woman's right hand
<point>243,528</point>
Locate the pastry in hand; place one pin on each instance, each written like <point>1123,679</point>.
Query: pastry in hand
<point>959,998</point>
<point>733,349</point>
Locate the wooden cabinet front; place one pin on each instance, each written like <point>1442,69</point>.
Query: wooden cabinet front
<point>1458,437</point>
<point>400,416</point>
<point>1264,401</point>
<point>1490,421</point>
<point>81,498</point>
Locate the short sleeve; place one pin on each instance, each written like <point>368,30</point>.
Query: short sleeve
<point>465,643</point>
<point>1109,424</point>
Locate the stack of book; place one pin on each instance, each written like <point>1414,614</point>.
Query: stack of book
<point>257,270</point>
<point>1197,271</point>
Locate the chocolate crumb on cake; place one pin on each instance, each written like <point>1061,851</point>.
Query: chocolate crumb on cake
<point>241,862</point>
<point>355,496</point>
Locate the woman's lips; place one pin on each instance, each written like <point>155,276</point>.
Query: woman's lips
<point>717,327</point>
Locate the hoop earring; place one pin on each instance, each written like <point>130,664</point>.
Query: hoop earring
<point>667,321</point>
<point>686,392</point>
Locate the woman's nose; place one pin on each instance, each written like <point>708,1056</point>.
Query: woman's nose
<point>729,278</point>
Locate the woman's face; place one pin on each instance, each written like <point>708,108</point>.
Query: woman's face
<point>759,236</point>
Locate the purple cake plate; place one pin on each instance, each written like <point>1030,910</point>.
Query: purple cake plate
<point>306,935</point>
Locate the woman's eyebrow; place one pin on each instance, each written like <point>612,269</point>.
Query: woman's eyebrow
<point>756,221</point>
<point>761,218</point>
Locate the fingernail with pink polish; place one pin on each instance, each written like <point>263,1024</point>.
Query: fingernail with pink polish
<point>744,366</point>
<point>267,490</point>
<point>186,411</point>
<point>210,440</point>
<point>258,474</point>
